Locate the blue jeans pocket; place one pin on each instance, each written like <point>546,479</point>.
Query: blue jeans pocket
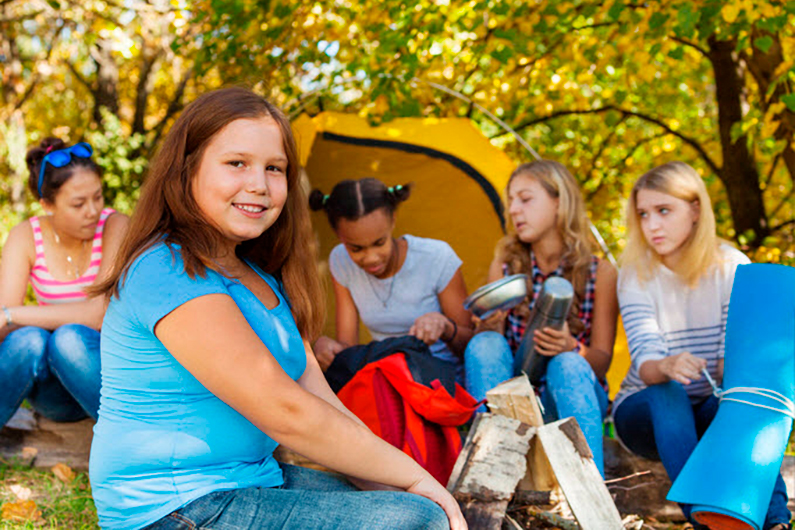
<point>172,521</point>
<point>197,514</point>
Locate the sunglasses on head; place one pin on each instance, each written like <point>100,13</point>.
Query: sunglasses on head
<point>62,157</point>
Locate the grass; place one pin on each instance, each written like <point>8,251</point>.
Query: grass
<point>62,505</point>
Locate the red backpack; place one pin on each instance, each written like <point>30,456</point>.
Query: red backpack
<point>420,419</point>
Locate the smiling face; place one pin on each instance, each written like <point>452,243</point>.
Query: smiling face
<point>241,183</point>
<point>532,209</point>
<point>78,204</point>
<point>666,221</point>
<point>368,241</point>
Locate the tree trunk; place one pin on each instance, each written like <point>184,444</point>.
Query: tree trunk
<point>106,90</point>
<point>739,172</point>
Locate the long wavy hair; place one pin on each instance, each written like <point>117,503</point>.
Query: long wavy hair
<point>571,224</point>
<point>168,211</point>
<point>699,251</point>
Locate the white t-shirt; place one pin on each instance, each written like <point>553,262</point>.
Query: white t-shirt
<point>389,306</point>
<point>664,317</point>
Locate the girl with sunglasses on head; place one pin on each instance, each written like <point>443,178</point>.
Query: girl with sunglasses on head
<point>674,288</point>
<point>50,352</point>
<point>398,286</point>
<point>206,363</point>
<point>549,237</point>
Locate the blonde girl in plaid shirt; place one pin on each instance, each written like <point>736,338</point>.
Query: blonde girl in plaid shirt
<point>549,236</point>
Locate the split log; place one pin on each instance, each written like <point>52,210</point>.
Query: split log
<point>488,469</point>
<point>579,478</point>
<point>516,399</point>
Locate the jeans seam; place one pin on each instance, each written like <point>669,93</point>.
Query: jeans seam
<point>22,397</point>
<point>182,519</point>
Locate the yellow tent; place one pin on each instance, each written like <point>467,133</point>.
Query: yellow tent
<point>459,179</point>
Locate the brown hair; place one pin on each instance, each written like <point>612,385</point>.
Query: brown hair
<point>54,177</point>
<point>572,224</point>
<point>168,211</point>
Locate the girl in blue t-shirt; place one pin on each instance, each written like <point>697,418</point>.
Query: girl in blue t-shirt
<point>206,364</point>
<point>397,285</point>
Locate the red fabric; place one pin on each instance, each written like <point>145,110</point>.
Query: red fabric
<point>417,419</point>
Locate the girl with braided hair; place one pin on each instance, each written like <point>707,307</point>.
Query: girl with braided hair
<point>403,285</point>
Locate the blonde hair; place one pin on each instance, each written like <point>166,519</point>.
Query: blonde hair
<point>571,224</point>
<point>699,251</point>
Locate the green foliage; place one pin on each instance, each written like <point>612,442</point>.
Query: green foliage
<point>122,164</point>
<point>609,88</point>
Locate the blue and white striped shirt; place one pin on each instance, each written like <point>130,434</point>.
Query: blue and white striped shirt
<point>665,317</point>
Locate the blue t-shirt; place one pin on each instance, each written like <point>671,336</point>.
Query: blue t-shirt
<point>389,307</point>
<point>163,439</point>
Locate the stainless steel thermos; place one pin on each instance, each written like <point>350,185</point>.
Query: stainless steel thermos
<point>549,311</point>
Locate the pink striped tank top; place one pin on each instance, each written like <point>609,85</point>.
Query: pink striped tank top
<point>48,290</point>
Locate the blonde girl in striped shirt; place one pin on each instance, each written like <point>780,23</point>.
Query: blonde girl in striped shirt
<point>673,291</point>
<point>50,351</point>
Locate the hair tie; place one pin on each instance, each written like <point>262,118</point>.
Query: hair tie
<point>48,149</point>
<point>390,189</point>
<point>398,187</point>
<point>325,199</point>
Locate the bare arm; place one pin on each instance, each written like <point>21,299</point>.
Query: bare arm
<point>347,320</point>
<point>246,376</point>
<point>347,316</point>
<point>451,300</point>
<point>314,382</point>
<point>89,312</point>
<point>605,318</point>
<point>17,260</point>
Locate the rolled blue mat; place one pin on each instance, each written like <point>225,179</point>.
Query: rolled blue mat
<point>734,467</point>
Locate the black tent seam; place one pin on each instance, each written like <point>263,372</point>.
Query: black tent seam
<point>470,171</point>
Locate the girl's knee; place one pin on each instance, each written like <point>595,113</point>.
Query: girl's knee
<point>29,337</point>
<point>669,395</point>
<point>569,364</point>
<point>70,342</point>
<point>28,344</point>
<point>422,513</point>
<point>488,345</point>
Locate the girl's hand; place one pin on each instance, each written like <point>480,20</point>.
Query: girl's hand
<point>551,342</point>
<point>326,349</point>
<point>494,322</point>
<point>431,327</point>
<point>683,368</point>
<point>429,488</point>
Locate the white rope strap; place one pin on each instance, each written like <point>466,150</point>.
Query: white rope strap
<point>789,406</point>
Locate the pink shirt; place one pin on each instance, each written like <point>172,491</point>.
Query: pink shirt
<point>48,290</point>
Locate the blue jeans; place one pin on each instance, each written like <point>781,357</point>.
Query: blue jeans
<point>58,372</point>
<point>661,423</point>
<point>571,389</point>
<point>308,500</point>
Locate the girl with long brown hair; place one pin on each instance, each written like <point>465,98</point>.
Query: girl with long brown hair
<point>206,362</point>
<point>549,237</point>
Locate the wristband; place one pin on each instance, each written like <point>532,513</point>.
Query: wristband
<point>577,348</point>
<point>7,313</point>
<point>455,329</point>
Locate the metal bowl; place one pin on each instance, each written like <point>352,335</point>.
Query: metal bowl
<point>505,293</point>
